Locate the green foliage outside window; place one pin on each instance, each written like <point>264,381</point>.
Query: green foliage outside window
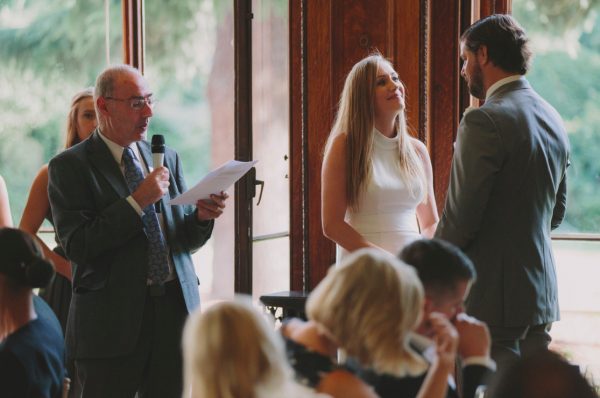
<point>49,50</point>
<point>566,41</point>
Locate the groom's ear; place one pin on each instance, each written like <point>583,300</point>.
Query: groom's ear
<point>482,55</point>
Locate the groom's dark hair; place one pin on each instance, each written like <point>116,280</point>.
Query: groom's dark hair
<point>506,42</point>
<point>439,264</point>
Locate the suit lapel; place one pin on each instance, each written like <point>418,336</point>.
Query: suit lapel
<point>103,160</point>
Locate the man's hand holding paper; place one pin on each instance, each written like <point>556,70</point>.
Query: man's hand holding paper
<point>209,194</point>
<point>209,209</point>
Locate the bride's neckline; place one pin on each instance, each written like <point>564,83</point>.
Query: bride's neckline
<point>388,142</point>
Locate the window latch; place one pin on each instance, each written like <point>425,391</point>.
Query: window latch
<point>253,183</point>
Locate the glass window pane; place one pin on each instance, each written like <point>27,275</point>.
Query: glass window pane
<point>576,334</point>
<point>271,258</point>
<point>565,37</point>
<point>270,129</point>
<point>189,64</point>
<point>49,50</point>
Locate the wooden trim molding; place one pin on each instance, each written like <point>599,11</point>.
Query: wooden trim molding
<point>443,91</point>
<point>489,7</point>
<point>243,144</point>
<point>424,42</point>
<point>133,33</point>
<point>298,141</point>
<point>320,105</point>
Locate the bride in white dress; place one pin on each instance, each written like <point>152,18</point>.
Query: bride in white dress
<point>377,182</point>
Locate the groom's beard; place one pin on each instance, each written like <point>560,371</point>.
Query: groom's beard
<point>475,83</point>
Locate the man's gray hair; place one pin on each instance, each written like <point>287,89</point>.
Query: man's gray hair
<point>105,83</point>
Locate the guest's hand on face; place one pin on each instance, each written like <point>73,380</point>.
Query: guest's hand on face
<point>209,209</point>
<point>474,336</point>
<point>446,339</point>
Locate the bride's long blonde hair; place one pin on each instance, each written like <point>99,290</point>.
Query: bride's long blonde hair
<point>356,118</point>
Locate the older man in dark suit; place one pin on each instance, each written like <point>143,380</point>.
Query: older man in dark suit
<point>507,190</point>
<point>133,277</point>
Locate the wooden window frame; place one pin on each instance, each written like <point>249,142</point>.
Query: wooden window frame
<point>440,25</point>
<point>133,54</point>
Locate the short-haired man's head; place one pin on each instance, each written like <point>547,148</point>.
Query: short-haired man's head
<point>105,82</point>
<point>506,42</point>
<point>368,304</point>
<point>441,266</point>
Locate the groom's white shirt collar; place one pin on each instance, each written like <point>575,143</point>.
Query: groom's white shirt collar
<point>494,87</point>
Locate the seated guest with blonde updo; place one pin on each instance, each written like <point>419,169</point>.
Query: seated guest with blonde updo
<point>31,347</point>
<point>367,307</point>
<point>231,351</point>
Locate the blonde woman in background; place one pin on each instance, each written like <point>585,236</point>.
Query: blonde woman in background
<point>5,217</point>
<point>367,307</point>
<point>231,351</point>
<point>81,122</point>
<point>377,180</point>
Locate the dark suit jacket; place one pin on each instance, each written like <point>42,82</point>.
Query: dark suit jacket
<point>104,238</point>
<point>507,191</point>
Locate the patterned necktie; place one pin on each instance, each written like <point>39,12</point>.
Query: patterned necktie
<point>158,269</point>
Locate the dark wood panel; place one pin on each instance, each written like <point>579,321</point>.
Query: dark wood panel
<point>133,33</point>
<point>489,7</point>
<point>465,21</point>
<point>338,34</point>
<point>405,35</point>
<point>243,145</point>
<point>443,107</point>
<point>298,233</point>
<point>319,108</point>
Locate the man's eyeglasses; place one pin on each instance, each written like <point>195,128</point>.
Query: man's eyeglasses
<point>136,103</point>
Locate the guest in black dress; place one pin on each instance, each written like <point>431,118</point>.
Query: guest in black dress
<point>31,344</point>
<point>366,308</point>
<point>80,124</point>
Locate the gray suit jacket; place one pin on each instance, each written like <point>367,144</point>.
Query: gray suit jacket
<point>507,191</point>
<point>103,236</point>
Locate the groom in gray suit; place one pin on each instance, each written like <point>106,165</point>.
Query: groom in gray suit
<point>507,190</point>
<point>133,278</point>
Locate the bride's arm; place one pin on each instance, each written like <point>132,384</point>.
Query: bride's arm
<point>334,201</point>
<point>427,213</point>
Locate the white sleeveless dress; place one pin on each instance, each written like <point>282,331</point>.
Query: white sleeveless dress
<point>387,215</point>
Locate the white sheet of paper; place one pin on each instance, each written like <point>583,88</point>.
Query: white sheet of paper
<point>214,182</point>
